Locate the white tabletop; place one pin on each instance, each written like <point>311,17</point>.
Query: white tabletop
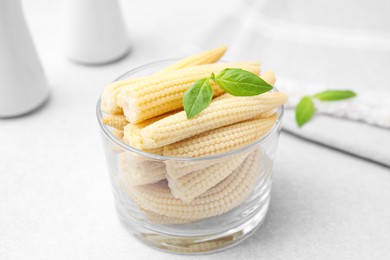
<point>55,194</point>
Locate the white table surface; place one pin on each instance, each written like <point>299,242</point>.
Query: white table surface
<point>55,195</point>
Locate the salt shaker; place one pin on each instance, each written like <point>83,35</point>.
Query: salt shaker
<point>23,86</point>
<point>94,31</point>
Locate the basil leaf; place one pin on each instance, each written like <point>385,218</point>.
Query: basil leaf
<point>304,111</point>
<point>239,82</point>
<point>331,95</point>
<point>197,97</point>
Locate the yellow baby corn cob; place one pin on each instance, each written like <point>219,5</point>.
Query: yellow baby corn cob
<point>109,102</point>
<point>114,148</point>
<point>160,94</point>
<point>177,169</point>
<point>118,133</point>
<point>115,121</point>
<point>137,169</point>
<point>264,164</point>
<point>223,197</point>
<point>187,186</point>
<point>177,127</point>
<point>140,173</point>
<point>194,184</point>
<point>189,244</point>
<point>206,57</point>
<point>161,219</point>
<point>132,133</point>
<point>222,139</point>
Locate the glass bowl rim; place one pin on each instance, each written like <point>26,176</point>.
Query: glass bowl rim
<point>108,133</point>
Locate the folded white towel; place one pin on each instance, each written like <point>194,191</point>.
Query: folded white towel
<point>372,107</point>
<point>329,127</point>
<point>353,137</point>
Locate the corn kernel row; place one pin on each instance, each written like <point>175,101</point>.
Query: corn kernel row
<point>109,102</point>
<point>163,93</point>
<point>221,198</point>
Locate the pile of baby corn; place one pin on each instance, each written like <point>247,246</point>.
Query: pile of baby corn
<point>147,113</point>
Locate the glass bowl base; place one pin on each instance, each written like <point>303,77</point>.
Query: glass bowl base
<point>198,244</point>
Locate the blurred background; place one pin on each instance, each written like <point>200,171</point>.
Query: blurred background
<point>55,200</point>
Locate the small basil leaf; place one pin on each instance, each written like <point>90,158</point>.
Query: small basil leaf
<point>331,95</point>
<point>197,97</point>
<point>239,82</point>
<point>304,111</point>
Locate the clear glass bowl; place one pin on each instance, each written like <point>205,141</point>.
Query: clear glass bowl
<point>229,211</point>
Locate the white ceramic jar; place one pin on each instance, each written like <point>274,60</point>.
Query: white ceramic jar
<point>93,30</point>
<point>23,86</point>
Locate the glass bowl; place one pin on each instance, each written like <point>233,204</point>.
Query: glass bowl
<point>235,189</point>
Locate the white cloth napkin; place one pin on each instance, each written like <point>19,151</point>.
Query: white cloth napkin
<point>308,57</point>
<point>353,137</point>
<point>368,106</point>
<point>359,126</point>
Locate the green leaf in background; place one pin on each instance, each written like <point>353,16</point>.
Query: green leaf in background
<point>304,111</point>
<point>197,97</point>
<point>239,82</point>
<point>331,95</point>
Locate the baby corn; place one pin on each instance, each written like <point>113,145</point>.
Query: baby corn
<point>132,133</point>
<point>163,93</point>
<point>220,113</point>
<point>222,139</point>
<point>223,197</point>
<point>216,141</point>
<point>140,173</point>
<point>109,102</point>
<point>194,184</point>
<point>115,121</point>
<point>165,220</point>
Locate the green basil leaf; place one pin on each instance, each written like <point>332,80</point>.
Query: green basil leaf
<point>197,97</point>
<point>238,82</point>
<point>331,95</point>
<point>304,111</point>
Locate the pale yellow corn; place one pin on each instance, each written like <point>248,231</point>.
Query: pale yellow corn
<point>164,220</point>
<point>264,164</point>
<point>177,169</point>
<point>184,178</point>
<point>109,102</point>
<point>115,149</point>
<point>118,133</point>
<point>132,137</point>
<point>140,172</point>
<point>213,142</point>
<point>223,197</point>
<point>220,113</point>
<point>206,57</point>
<point>222,139</point>
<point>132,133</point>
<point>189,244</point>
<point>137,169</point>
<point>164,93</point>
<point>115,121</point>
<point>194,184</point>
